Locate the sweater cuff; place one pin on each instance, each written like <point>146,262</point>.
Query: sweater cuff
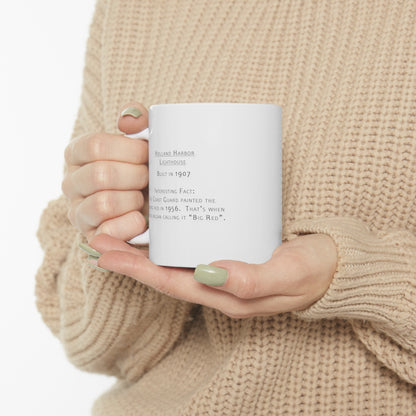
<point>374,275</point>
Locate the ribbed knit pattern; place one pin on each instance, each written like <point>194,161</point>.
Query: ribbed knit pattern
<point>345,74</point>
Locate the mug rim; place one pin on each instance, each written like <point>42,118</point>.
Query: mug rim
<point>216,104</point>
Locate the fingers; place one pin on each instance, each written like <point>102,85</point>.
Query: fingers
<point>104,146</point>
<point>124,227</point>
<point>113,212</point>
<point>295,277</point>
<point>243,280</point>
<point>104,175</point>
<point>105,205</point>
<point>179,283</point>
<point>133,118</point>
<point>105,243</point>
<point>174,282</point>
<point>233,277</point>
<point>301,270</point>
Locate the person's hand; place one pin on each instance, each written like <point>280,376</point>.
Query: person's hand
<point>106,179</point>
<point>298,274</point>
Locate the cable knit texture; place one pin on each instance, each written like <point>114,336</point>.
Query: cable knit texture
<point>345,74</point>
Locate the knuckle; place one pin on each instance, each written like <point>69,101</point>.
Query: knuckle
<point>107,227</point>
<point>103,205</point>
<point>95,147</point>
<point>101,175</point>
<point>246,287</point>
<point>68,187</point>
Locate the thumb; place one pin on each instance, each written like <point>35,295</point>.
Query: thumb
<point>244,280</point>
<point>133,118</point>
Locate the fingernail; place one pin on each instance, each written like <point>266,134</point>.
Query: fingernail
<point>92,261</point>
<point>210,275</point>
<point>131,111</point>
<point>89,250</point>
<point>146,217</point>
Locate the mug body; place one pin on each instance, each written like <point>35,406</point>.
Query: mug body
<point>215,182</point>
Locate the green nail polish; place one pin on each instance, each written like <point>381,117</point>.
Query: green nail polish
<point>92,261</point>
<point>89,250</point>
<point>210,275</point>
<point>131,111</point>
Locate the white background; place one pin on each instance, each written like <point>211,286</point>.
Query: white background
<point>42,46</point>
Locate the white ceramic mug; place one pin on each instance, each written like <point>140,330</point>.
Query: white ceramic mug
<point>215,183</point>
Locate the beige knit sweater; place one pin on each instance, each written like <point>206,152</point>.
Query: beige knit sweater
<point>345,74</point>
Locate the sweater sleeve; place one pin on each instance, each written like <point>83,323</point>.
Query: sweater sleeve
<point>374,287</point>
<point>107,323</point>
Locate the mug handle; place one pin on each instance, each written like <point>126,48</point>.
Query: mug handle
<point>143,238</point>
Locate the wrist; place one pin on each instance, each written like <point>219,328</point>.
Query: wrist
<point>365,284</point>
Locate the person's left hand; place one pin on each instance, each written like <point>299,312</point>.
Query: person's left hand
<point>297,275</point>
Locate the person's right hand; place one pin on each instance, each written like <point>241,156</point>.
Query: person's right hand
<point>106,179</point>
